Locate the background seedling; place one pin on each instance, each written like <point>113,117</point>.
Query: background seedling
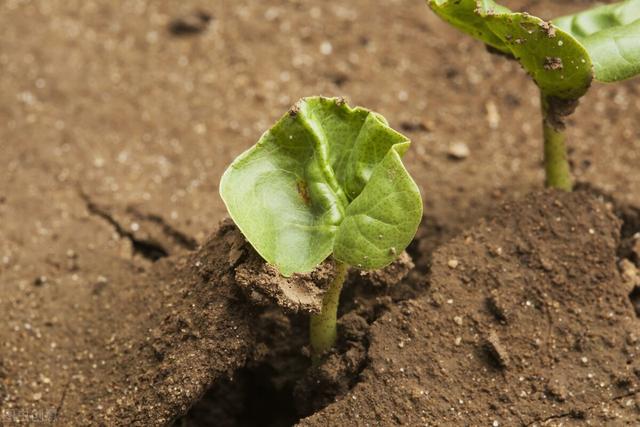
<point>325,180</point>
<point>562,57</point>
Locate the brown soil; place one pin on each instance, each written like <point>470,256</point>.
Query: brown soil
<point>117,122</point>
<point>526,322</point>
<point>161,341</point>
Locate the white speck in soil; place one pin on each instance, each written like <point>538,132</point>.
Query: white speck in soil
<point>326,48</point>
<point>200,128</point>
<point>458,151</point>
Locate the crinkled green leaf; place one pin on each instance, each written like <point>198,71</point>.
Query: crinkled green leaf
<point>470,17</point>
<point>324,179</point>
<point>611,35</point>
<point>556,61</point>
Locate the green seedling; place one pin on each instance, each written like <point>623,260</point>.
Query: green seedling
<point>562,56</point>
<point>325,180</point>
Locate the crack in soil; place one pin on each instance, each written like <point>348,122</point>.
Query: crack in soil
<point>148,249</point>
<point>62,399</point>
<point>182,239</point>
<point>580,414</point>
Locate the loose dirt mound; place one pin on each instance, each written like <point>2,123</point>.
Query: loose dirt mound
<point>138,353</point>
<point>526,322</point>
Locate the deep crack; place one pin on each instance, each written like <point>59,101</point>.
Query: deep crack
<point>148,249</point>
<point>180,238</point>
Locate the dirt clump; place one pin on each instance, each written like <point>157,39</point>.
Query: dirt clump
<point>278,385</point>
<point>533,326</point>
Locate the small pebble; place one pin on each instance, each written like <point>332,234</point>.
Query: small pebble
<point>458,151</point>
<point>453,263</point>
<point>493,117</point>
<point>326,48</point>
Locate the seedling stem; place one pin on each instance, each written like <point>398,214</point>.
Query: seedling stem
<point>323,330</point>
<point>556,163</point>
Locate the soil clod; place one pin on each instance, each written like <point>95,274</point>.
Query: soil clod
<point>191,24</point>
<point>496,350</point>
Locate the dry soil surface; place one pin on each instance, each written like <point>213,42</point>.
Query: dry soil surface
<point>117,120</point>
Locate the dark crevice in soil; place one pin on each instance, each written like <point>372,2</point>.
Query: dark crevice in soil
<point>148,249</point>
<point>181,239</point>
<point>635,299</point>
<point>279,387</point>
<point>248,399</point>
<point>576,415</point>
<point>262,392</point>
<point>580,414</point>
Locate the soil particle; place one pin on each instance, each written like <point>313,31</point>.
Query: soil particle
<point>497,306</point>
<point>630,274</point>
<point>458,151</point>
<point>548,29</point>
<point>553,63</point>
<point>558,109</point>
<point>190,24</point>
<point>263,284</point>
<point>442,374</point>
<point>389,276</point>
<point>497,351</point>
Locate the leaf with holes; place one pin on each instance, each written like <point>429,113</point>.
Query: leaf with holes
<point>325,179</point>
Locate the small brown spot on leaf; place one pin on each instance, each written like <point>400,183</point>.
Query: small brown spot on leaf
<point>304,192</point>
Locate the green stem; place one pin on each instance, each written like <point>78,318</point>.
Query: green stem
<point>323,329</point>
<point>556,163</point>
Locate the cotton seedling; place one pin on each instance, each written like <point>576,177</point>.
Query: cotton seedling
<point>562,57</point>
<point>325,181</point>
